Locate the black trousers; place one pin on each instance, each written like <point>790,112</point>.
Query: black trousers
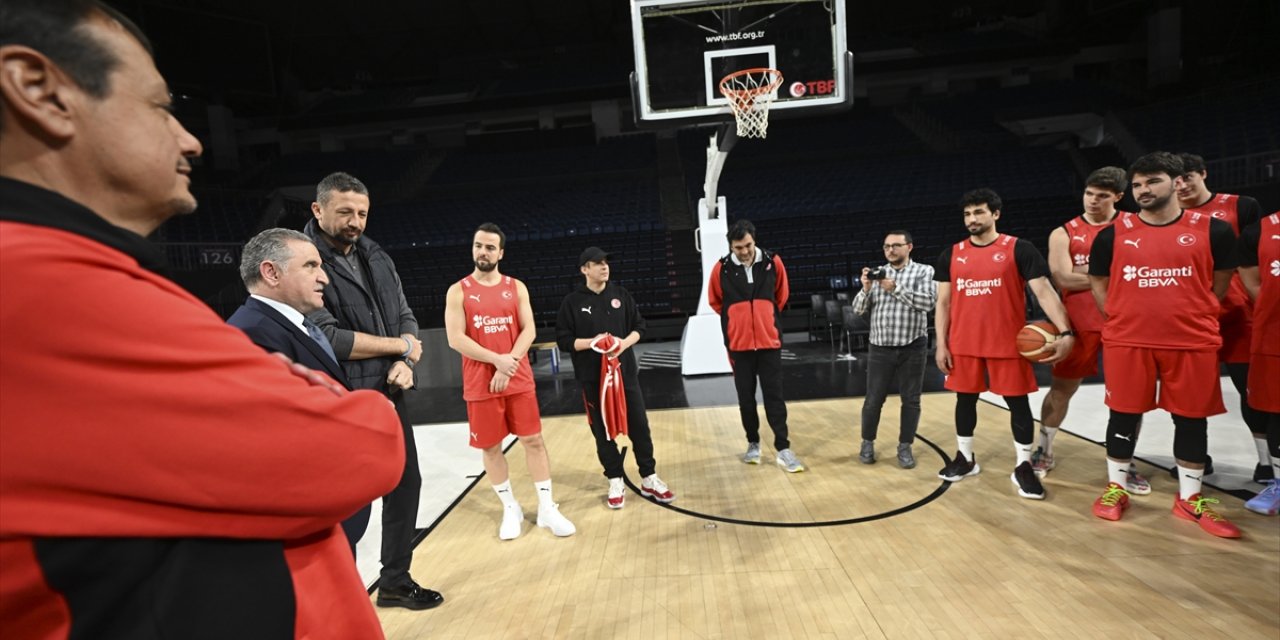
<point>905,364</point>
<point>400,509</point>
<point>637,430</point>
<point>765,364</point>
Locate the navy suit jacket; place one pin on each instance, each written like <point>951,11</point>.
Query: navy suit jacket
<point>270,330</point>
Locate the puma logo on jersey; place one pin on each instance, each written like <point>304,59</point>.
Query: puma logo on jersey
<point>475,297</point>
<point>586,310</point>
<point>1134,243</point>
<point>962,260</point>
<point>1124,437</point>
<point>474,436</point>
<point>1275,237</point>
<point>1080,238</point>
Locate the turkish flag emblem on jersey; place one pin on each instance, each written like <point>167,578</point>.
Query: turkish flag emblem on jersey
<point>613,400</point>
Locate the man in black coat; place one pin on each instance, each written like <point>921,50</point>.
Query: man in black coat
<point>281,268</point>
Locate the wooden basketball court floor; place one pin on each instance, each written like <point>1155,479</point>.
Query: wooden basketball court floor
<point>843,550</point>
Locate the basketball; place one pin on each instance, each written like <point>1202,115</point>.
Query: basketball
<point>1036,339</point>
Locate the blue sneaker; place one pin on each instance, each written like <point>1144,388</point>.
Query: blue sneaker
<point>1268,502</point>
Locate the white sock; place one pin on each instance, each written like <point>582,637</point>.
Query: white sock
<point>1024,452</point>
<point>1189,481</point>
<point>1046,438</point>
<point>544,493</point>
<point>504,494</point>
<point>1264,454</point>
<point>1118,472</point>
<point>966,446</point>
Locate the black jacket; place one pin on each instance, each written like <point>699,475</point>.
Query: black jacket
<point>349,307</point>
<point>585,314</point>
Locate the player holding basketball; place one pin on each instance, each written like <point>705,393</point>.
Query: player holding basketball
<point>1260,274</point>
<point>489,321</point>
<point>1069,247</point>
<point>1234,325</point>
<point>981,306</point>
<point>1159,276</point>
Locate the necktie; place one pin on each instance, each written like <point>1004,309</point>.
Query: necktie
<point>318,336</point>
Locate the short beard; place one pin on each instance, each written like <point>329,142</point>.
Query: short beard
<point>1157,204</point>
<point>486,267</point>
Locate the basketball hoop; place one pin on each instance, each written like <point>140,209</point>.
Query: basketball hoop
<point>750,92</point>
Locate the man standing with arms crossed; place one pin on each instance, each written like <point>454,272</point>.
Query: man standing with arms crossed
<point>488,320</point>
<point>748,289</point>
<point>982,304</point>
<point>1235,323</point>
<point>899,304</point>
<point>1260,274</point>
<point>597,308</point>
<point>374,334</point>
<point>1159,276</point>
<point>1069,247</point>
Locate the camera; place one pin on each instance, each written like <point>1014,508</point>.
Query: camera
<point>876,273</point>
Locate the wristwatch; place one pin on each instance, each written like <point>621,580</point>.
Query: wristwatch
<point>1068,332</point>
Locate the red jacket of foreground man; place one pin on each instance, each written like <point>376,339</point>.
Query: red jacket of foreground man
<point>161,476</point>
<point>750,308</point>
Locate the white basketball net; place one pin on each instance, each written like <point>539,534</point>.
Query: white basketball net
<point>750,92</point>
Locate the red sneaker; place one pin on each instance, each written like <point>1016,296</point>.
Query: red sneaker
<point>1112,503</point>
<point>1197,509</point>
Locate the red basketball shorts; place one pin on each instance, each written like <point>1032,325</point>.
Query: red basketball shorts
<point>492,419</point>
<point>1008,376</point>
<point>1189,384</point>
<point>1083,359</point>
<point>1264,383</point>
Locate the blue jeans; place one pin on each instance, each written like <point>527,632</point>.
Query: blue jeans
<point>884,365</point>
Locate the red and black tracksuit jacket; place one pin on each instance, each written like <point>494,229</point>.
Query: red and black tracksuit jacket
<point>750,312</point>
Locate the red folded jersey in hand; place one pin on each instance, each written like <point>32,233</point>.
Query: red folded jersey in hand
<point>613,400</point>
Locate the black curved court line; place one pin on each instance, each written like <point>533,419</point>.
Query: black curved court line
<point>942,488</point>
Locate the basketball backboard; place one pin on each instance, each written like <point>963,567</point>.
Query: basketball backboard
<point>684,47</point>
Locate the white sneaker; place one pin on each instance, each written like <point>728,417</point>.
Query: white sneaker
<point>654,487</point>
<point>512,523</point>
<point>617,493</point>
<point>549,516</point>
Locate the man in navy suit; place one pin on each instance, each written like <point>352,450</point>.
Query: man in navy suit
<point>282,270</point>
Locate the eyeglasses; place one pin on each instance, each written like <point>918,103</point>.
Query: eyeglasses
<point>896,245</point>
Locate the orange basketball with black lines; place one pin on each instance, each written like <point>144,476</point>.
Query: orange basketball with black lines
<point>1035,341</point>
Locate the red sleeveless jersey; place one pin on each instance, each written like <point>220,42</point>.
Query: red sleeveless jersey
<point>1223,206</point>
<point>493,321</point>
<point>988,299</point>
<point>1161,289</point>
<point>1082,310</point>
<point>1266,318</point>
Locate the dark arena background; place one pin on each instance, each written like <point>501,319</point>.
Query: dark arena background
<point>524,113</point>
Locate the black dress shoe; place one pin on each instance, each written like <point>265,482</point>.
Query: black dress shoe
<point>410,596</point>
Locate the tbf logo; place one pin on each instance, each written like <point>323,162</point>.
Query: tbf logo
<point>972,287</point>
<point>491,324</point>
<point>1275,268</point>
<point>1148,277</point>
<point>815,87</point>
<point>1080,259</point>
